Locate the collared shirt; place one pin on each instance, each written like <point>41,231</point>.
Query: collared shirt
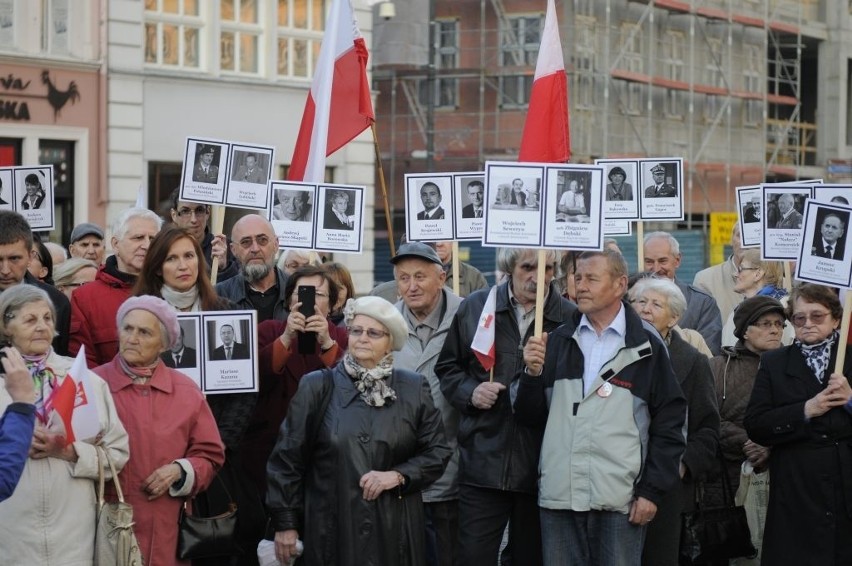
<point>523,316</point>
<point>426,328</point>
<point>262,301</point>
<point>825,246</point>
<point>177,356</point>
<point>598,350</point>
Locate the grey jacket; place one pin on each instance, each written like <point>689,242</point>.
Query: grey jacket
<point>702,314</point>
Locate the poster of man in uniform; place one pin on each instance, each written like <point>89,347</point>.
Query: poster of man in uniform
<point>33,196</point>
<point>662,192</point>
<point>230,343</point>
<point>620,195</point>
<point>340,219</point>
<point>291,212</point>
<point>429,207</point>
<point>825,245</point>
<point>251,171</point>
<point>205,164</point>
<point>574,206</point>
<point>514,216</point>
<point>469,197</point>
<point>782,220</point>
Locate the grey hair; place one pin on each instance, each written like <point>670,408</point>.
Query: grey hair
<point>119,227</point>
<point>65,271</point>
<point>673,243</point>
<point>507,258</point>
<point>666,287</point>
<point>53,246</point>
<point>615,262</point>
<point>16,297</point>
<point>312,257</point>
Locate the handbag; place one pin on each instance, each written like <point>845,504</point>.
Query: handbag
<point>716,533</point>
<point>207,537</point>
<point>115,541</point>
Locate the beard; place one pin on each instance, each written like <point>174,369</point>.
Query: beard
<point>255,272</point>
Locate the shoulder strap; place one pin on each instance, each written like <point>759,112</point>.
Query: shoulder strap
<point>327,390</point>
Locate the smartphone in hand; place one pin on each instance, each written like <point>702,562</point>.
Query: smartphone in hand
<point>308,298</point>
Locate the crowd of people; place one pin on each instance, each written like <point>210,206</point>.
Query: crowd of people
<point>381,435</point>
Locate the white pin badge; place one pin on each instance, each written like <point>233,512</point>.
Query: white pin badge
<point>605,390</point>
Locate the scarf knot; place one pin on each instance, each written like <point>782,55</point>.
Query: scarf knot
<point>372,383</point>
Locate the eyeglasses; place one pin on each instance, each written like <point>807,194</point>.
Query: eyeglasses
<point>372,333</point>
<point>740,269</point>
<point>185,212</point>
<point>767,324</point>
<point>318,294</point>
<point>800,319</point>
<point>262,240</point>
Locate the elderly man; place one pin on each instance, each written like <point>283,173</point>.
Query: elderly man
<point>292,205</point>
<point>603,388</point>
<point>16,250</point>
<point>193,217</point>
<point>790,217</point>
<point>827,242</point>
<point>660,189</point>
<point>718,280</point>
<point>662,257</point>
<point>260,284</point>
<point>430,196</point>
<point>498,455</point>
<point>428,308</point>
<point>87,242</point>
<point>476,194</point>
<point>93,306</point>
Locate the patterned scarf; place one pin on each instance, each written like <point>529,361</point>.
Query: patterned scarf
<point>818,355</point>
<point>371,382</point>
<point>44,380</point>
<point>138,372</point>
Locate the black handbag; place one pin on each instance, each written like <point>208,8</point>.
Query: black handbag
<point>207,537</point>
<point>716,533</point>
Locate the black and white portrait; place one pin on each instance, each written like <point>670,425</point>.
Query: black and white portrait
<point>294,205</point>
<point>339,210</point>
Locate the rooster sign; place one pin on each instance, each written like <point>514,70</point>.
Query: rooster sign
<point>58,98</point>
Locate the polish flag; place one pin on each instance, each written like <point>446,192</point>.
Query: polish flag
<point>483,340</point>
<point>72,407</point>
<point>546,134</point>
<point>339,105</point>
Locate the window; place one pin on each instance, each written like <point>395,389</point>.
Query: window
<point>584,62</point>
<point>239,40</point>
<point>7,23</point>
<point>632,98</point>
<point>173,33</point>
<point>520,39</point>
<point>300,27</point>
<point>713,73</point>
<point>57,24</point>
<point>630,43</point>
<point>673,48</point>
<point>446,57</point>
<point>752,81</point>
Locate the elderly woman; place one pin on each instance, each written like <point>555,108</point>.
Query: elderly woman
<point>796,409</point>
<point>661,302</point>
<point>359,444</point>
<point>72,273</point>
<point>173,438</point>
<point>50,518</point>
<point>756,277</point>
<point>291,260</point>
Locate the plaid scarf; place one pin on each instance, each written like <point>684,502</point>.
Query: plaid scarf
<point>817,356</point>
<point>371,383</point>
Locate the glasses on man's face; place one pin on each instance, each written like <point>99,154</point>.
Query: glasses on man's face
<point>262,240</point>
<point>800,319</point>
<point>186,212</point>
<point>372,333</point>
<point>769,324</point>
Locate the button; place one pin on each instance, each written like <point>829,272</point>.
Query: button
<point>365,438</point>
<point>366,528</point>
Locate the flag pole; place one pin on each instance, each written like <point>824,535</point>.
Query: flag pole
<point>218,221</point>
<point>456,282</point>
<point>640,245</point>
<point>388,220</point>
<point>844,333</point>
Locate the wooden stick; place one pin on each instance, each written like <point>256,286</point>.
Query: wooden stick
<point>844,332</point>
<point>388,220</point>
<point>491,375</point>
<point>640,245</point>
<point>456,281</point>
<point>539,292</point>
<point>788,277</point>
<point>218,214</point>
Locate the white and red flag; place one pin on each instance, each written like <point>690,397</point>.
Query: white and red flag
<point>546,135</point>
<point>483,340</point>
<point>72,408</point>
<point>339,105</point>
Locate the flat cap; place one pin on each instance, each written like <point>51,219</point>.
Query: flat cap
<point>84,229</point>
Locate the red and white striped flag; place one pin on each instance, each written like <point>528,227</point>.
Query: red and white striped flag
<point>483,340</point>
<point>339,105</point>
<point>72,408</point>
<point>546,135</point>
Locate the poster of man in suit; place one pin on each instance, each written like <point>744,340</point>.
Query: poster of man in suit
<point>823,249</point>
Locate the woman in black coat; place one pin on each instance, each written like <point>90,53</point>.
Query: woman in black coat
<point>358,445</point>
<point>796,408</point>
<point>661,302</point>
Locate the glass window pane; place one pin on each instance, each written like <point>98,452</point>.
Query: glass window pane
<point>283,12</point>
<point>151,5</point>
<point>300,58</point>
<point>171,6</point>
<point>190,7</point>
<point>227,9</point>
<point>248,53</point>
<point>248,11</point>
<point>227,48</point>
<point>150,43</point>
<point>190,47</point>
<point>171,46</point>
<point>300,14</point>
<point>283,54</point>
<point>319,15</point>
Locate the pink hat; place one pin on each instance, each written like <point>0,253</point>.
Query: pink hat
<point>164,312</point>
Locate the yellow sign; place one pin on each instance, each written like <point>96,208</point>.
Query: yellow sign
<point>721,224</point>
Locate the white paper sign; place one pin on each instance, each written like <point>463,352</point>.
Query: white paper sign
<point>825,251</point>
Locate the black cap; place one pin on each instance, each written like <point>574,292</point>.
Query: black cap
<point>416,249</point>
<point>750,310</point>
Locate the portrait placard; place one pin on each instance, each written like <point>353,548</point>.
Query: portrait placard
<point>250,173</point>
<point>514,216</point>
<point>469,198</point>
<point>7,188</point>
<point>750,205</point>
<point>34,196</point>
<point>620,195</point>
<point>825,245</point>
<point>205,168</point>
<point>290,209</point>
<point>783,207</point>
<point>184,355</point>
<point>838,194</point>
<point>230,352</point>
<point>617,227</point>
<point>340,221</point>
<point>573,207</point>
<point>662,195</point>
<point>429,207</point>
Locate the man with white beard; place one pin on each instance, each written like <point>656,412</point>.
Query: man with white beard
<point>259,285</point>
